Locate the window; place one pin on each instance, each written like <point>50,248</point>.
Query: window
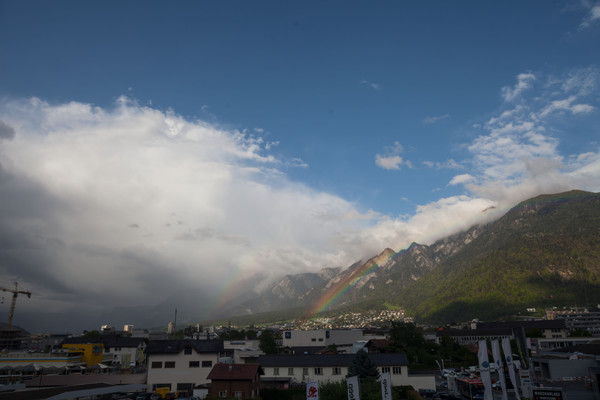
<point>313,339</point>
<point>276,371</point>
<point>223,394</point>
<point>206,364</point>
<point>320,339</point>
<point>305,371</point>
<point>288,334</point>
<point>187,350</point>
<point>385,369</point>
<point>337,371</point>
<point>156,364</point>
<point>290,371</point>
<point>318,371</point>
<point>194,364</point>
<point>169,364</point>
<point>396,370</point>
<point>238,395</point>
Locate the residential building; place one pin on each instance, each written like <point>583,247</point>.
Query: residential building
<point>242,351</point>
<point>240,381</point>
<point>289,369</point>
<point>578,318</point>
<point>181,364</point>
<point>127,351</point>
<point>549,328</point>
<point>466,337</point>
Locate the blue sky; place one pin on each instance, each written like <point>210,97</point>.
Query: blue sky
<point>276,137</point>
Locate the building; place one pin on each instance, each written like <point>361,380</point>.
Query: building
<point>126,351</point>
<point>311,341</point>
<point>181,364</point>
<point>289,369</point>
<point>466,337</point>
<point>240,381</point>
<point>578,319</point>
<point>549,328</point>
<point>92,351</point>
<point>570,363</point>
<point>242,351</point>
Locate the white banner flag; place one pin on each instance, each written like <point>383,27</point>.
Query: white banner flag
<point>484,370</point>
<point>312,391</point>
<point>386,386</point>
<point>499,367</point>
<point>509,363</point>
<point>353,389</point>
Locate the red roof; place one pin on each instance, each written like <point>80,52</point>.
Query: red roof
<point>234,371</point>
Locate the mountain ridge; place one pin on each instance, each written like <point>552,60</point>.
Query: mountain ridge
<point>530,253</point>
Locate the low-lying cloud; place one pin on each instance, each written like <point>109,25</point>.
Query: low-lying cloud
<point>132,205</point>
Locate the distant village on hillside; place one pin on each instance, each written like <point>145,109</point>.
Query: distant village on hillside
<point>252,362</point>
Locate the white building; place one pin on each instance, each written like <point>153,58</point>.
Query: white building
<point>127,351</point>
<point>242,351</point>
<point>344,338</point>
<point>334,368</point>
<point>181,364</point>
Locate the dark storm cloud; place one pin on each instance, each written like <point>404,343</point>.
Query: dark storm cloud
<point>6,131</point>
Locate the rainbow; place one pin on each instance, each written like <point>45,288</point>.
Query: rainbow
<point>336,291</point>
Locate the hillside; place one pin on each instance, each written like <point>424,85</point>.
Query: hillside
<point>543,252</point>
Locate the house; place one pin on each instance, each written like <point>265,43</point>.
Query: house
<point>548,328</point>
<point>466,337</point>
<point>241,381</point>
<point>283,370</point>
<point>181,364</point>
<point>126,351</point>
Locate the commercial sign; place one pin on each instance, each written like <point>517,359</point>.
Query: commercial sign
<point>547,394</point>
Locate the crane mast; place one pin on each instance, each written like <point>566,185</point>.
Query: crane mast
<point>13,303</point>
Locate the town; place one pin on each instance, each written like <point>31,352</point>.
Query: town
<point>559,351</point>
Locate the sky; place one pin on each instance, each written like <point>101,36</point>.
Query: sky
<point>161,155</point>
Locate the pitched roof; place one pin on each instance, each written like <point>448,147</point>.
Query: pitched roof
<point>177,346</point>
<point>121,341</point>
<point>235,371</point>
<point>329,360</point>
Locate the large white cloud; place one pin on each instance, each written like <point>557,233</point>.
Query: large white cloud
<point>132,205</point>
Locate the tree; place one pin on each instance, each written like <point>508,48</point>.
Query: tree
<point>363,367</point>
<point>407,338</point>
<point>95,335</point>
<point>267,341</point>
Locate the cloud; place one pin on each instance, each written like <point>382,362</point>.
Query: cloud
<point>462,179</point>
<point>391,159</point>
<point>372,85</point>
<point>524,82</point>
<point>145,205</point>
<point>432,120</point>
<point>519,155</point>
<point>592,16</point>
<point>448,164</point>
<point>132,205</point>
<point>6,131</point>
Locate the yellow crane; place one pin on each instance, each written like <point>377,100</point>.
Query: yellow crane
<point>15,293</point>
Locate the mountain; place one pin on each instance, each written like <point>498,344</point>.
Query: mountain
<point>543,252</point>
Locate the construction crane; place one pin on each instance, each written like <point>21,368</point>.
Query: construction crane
<point>15,293</point>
